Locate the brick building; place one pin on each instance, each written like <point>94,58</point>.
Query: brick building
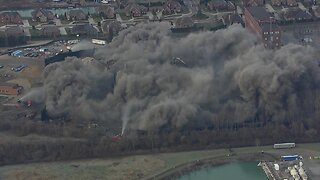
<point>42,15</point>
<point>263,23</point>
<point>10,89</point>
<point>10,18</point>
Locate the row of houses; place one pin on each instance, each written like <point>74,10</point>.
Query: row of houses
<point>277,3</point>
<point>169,7</point>
<point>295,14</point>
<point>288,3</point>
<point>220,5</point>
<point>45,15</point>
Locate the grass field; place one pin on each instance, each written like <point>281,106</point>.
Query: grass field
<point>129,167</point>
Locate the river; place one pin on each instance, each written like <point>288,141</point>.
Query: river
<point>238,171</point>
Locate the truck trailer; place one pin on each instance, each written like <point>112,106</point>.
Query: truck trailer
<point>284,145</point>
<point>290,157</point>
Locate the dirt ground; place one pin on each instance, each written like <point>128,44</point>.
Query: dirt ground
<point>27,77</point>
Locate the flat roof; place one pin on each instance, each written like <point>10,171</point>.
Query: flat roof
<point>268,27</point>
<point>259,13</point>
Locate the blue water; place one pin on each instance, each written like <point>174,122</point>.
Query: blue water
<point>233,171</point>
<point>26,13</point>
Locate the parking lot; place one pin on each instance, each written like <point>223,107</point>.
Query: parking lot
<point>40,51</point>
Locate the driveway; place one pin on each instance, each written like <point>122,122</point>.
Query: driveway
<point>57,22</point>
<point>63,31</point>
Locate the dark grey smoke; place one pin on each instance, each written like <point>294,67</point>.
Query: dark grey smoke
<point>227,78</point>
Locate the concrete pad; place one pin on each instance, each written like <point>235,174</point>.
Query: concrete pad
<point>25,23</point>
<point>63,31</point>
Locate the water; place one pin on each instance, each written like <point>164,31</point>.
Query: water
<point>26,13</point>
<point>233,171</point>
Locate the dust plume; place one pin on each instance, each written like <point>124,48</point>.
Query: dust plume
<point>228,78</point>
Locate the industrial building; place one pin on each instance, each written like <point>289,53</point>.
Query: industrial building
<point>263,23</point>
<point>10,89</point>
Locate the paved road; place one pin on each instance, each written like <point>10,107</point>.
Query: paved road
<point>26,27</point>
<point>91,21</point>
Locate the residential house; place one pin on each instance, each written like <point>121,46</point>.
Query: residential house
<point>171,7</point>
<point>77,2</point>
<point>74,15</point>
<point>290,3</point>
<point>296,14</point>
<point>50,31</point>
<point>278,2</point>
<point>42,15</point>
<point>135,10</point>
<point>308,2</point>
<point>106,11</point>
<point>263,23</point>
<point>114,26</point>
<point>220,5</point>
<point>251,3</point>
<point>232,18</point>
<point>84,29</point>
<point>10,18</point>
<point>184,22</point>
<point>316,11</point>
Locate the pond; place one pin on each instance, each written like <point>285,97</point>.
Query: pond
<point>239,171</point>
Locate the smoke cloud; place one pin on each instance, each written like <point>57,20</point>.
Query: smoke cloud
<point>226,78</point>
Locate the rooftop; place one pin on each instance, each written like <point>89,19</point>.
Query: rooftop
<point>8,84</point>
<point>10,13</point>
<point>260,13</point>
<point>267,27</point>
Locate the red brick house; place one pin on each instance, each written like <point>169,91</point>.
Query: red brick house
<point>296,14</point>
<point>106,11</point>
<point>135,10</point>
<point>10,18</point>
<point>251,3</point>
<point>10,89</point>
<point>220,5</point>
<point>42,15</point>
<point>171,7</point>
<point>290,3</point>
<point>75,15</point>
<point>263,23</point>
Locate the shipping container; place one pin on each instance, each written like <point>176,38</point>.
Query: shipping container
<point>290,158</point>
